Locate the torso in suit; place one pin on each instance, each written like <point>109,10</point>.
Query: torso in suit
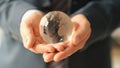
<point>95,54</point>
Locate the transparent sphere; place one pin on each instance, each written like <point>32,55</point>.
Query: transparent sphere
<point>55,27</point>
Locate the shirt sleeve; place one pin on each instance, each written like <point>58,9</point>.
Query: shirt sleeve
<point>11,12</point>
<point>104,17</point>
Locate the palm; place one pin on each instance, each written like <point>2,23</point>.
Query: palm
<point>29,29</point>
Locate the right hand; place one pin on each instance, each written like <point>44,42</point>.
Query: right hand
<point>81,33</point>
<point>29,29</point>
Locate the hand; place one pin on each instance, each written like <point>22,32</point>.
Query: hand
<point>29,29</point>
<point>80,35</point>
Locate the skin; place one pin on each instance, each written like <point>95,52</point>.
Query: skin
<point>29,29</point>
<point>53,52</point>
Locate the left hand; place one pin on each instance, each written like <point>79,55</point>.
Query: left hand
<point>80,35</point>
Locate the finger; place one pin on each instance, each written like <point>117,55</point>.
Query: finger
<point>27,35</point>
<point>75,34</point>
<point>81,40</point>
<point>43,48</point>
<point>32,50</point>
<point>60,46</point>
<point>79,33</point>
<point>48,57</point>
<point>62,55</point>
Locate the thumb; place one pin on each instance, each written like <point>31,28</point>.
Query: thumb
<point>75,35</point>
<point>27,34</point>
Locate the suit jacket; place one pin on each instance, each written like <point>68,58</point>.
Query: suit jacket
<point>103,15</point>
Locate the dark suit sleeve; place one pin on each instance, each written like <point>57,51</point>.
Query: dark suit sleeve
<point>11,12</point>
<point>103,16</point>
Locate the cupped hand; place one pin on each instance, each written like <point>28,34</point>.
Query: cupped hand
<point>29,29</point>
<point>80,35</point>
